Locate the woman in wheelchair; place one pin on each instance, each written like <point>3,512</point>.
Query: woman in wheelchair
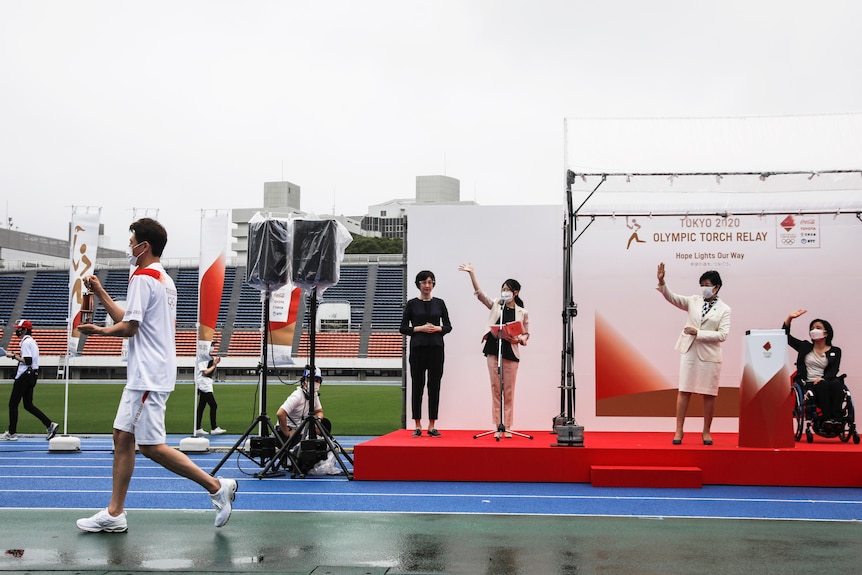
<point>817,365</point>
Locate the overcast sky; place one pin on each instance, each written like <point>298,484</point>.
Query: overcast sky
<point>183,105</point>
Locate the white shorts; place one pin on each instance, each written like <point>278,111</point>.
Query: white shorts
<point>142,413</point>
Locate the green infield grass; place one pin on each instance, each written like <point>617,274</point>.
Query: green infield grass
<point>362,409</point>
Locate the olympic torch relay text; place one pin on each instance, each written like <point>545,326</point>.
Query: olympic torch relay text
<point>693,237</point>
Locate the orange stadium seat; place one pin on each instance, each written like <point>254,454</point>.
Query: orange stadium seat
<point>103,345</point>
<point>385,345</point>
<point>244,343</point>
<point>330,344</point>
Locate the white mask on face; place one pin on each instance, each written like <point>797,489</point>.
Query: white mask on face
<point>706,291</point>
<point>133,259</point>
<point>817,334</point>
<point>506,296</point>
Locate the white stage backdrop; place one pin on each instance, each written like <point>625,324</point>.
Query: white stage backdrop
<point>626,369</point>
<point>626,366</point>
<point>519,242</point>
<point>780,241</point>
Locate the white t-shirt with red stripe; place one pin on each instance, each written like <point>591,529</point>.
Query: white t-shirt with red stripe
<point>151,300</point>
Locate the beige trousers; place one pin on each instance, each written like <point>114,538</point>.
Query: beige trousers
<point>510,376</point>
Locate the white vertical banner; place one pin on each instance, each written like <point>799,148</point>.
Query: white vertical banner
<point>211,271</point>
<point>283,313</point>
<point>83,243</point>
<point>214,231</point>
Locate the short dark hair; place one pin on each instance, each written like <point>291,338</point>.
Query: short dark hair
<point>826,325</point>
<point>150,231</point>
<point>712,276</point>
<point>424,275</point>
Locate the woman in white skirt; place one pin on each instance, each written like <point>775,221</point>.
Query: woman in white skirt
<point>706,327</point>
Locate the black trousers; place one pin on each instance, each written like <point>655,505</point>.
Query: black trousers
<point>206,398</point>
<point>426,361</point>
<point>23,389</point>
<point>829,395</point>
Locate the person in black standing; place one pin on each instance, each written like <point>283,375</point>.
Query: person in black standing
<point>426,321</point>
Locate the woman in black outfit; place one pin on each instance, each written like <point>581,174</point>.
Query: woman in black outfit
<point>817,367</point>
<point>426,321</point>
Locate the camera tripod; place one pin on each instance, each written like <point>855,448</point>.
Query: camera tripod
<point>262,448</point>
<point>311,441</point>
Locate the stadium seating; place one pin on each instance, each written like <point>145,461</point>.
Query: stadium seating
<point>330,345</point>
<point>10,285</point>
<point>46,305</point>
<point>47,300</point>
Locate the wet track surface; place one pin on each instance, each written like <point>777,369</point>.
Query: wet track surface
<point>332,525</point>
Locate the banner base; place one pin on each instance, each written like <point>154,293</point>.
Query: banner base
<point>195,445</point>
<point>64,443</point>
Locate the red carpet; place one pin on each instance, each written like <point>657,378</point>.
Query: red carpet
<point>637,459</point>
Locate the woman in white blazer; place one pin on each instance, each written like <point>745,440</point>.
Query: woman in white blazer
<point>706,327</point>
<point>511,308</point>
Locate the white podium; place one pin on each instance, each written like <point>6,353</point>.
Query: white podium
<point>765,400</point>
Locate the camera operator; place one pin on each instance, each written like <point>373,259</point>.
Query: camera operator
<point>295,407</point>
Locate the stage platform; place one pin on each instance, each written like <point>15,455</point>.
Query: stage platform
<point>607,459</point>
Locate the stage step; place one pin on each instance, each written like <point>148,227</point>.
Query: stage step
<point>645,476</point>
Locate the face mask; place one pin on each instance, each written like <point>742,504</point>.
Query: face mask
<point>817,334</point>
<point>707,291</point>
<point>305,388</point>
<point>506,296</point>
<point>133,259</point>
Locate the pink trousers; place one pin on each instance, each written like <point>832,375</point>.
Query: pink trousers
<point>510,376</point>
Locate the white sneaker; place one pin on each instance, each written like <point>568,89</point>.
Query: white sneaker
<point>200,433</point>
<point>218,431</point>
<point>51,431</point>
<point>223,500</point>
<point>104,522</point>
<point>9,436</point>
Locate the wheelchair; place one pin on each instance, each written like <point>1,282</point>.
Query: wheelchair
<point>809,418</point>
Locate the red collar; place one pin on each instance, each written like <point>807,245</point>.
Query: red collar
<point>155,274</point>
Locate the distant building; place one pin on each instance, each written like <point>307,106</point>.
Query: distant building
<point>30,250</point>
<point>389,219</point>
<point>280,200</point>
<point>437,190</point>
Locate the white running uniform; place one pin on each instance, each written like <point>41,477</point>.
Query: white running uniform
<point>151,301</point>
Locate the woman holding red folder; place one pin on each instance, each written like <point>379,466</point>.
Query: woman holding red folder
<point>515,334</point>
